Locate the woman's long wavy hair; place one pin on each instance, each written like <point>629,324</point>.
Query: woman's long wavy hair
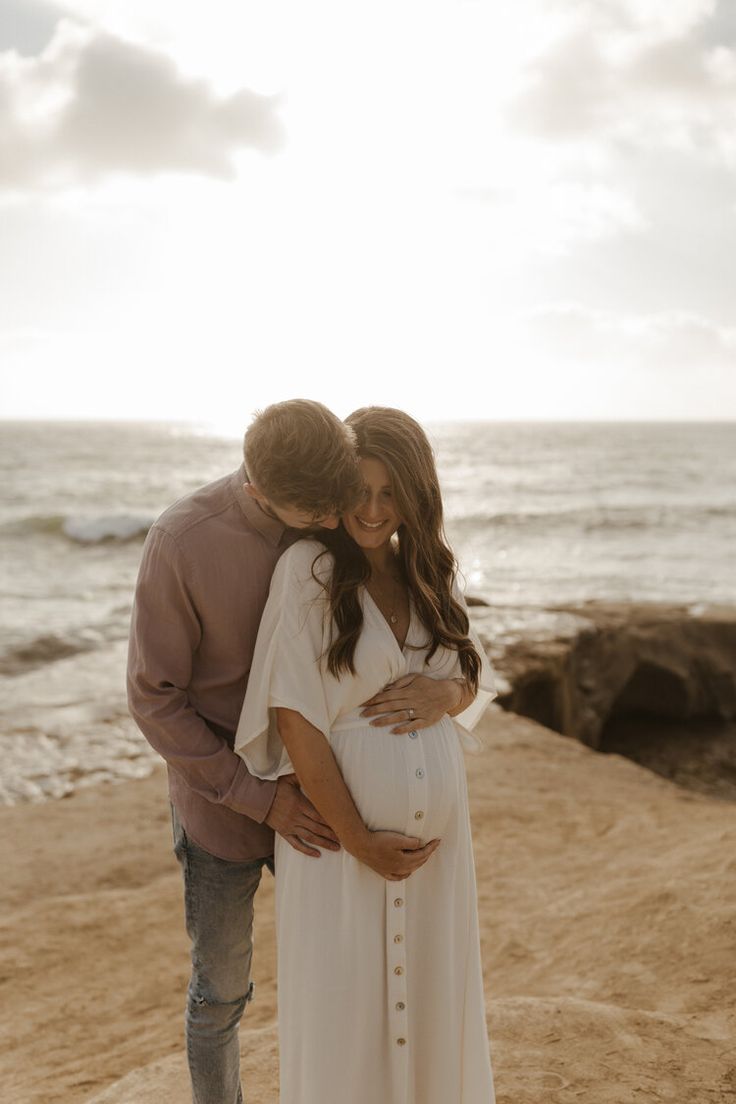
<point>424,557</point>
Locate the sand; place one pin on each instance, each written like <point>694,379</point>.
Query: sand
<point>608,913</point>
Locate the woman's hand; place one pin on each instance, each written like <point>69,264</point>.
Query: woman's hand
<point>391,854</point>
<point>413,702</point>
<point>394,856</point>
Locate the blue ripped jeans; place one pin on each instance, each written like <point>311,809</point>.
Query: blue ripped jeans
<point>218,903</point>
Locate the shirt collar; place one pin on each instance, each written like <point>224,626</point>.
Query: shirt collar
<point>270,528</point>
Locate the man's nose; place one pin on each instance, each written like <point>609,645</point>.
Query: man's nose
<point>330,522</point>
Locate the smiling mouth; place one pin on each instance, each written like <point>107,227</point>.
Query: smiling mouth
<point>367,525</point>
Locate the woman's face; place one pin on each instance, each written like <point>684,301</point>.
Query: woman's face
<point>376,518</point>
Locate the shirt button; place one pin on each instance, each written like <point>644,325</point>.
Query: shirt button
<point>420,773</point>
<point>418,815</point>
<point>401,1042</point>
<point>399,970</point>
<point>400,1006</point>
<point>413,735</point>
<point>399,902</point>
<point>398,939</point>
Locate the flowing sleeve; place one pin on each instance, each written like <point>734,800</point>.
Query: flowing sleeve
<point>468,719</point>
<point>287,668</point>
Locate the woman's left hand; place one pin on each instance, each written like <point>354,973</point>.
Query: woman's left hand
<point>412,702</point>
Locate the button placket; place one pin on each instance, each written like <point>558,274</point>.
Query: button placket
<point>396,963</point>
<point>417,777</point>
<point>416,768</point>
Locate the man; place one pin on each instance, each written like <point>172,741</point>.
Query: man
<point>203,583</point>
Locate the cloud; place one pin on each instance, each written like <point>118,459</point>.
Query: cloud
<point>669,341</point>
<point>721,28</point>
<point>658,18</point>
<point>553,215</point>
<point>628,113</point>
<point>92,104</point>
<point>631,76</point>
<point>27,25</point>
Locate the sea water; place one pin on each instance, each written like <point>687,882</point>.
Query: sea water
<point>538,515</point>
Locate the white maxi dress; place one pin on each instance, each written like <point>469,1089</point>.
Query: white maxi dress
<point>380,989</point>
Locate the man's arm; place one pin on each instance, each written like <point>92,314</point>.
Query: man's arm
<point>165,633</point>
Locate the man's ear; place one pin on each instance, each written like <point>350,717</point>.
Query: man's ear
<point>252,490</point>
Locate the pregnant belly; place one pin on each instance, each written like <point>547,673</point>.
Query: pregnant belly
<point>402,783</point>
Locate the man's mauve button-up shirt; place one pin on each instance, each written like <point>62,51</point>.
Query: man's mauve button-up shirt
<point>203,583</point>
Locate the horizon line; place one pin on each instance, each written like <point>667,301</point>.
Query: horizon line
<point>14,419</point>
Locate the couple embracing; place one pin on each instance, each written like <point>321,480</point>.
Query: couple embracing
<point>301,656</point>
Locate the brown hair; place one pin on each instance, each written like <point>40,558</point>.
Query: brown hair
<point>424,557</point>
<point>298,453</point>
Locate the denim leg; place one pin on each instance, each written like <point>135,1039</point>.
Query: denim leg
<point>218,901</point>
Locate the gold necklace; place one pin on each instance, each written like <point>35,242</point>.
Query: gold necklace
<point>392,616</point>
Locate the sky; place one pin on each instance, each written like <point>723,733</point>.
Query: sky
<point>466,209</point>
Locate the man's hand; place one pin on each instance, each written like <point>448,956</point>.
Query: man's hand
<point>393,856</point>
<point>412,702</point>
<point>295,818</point>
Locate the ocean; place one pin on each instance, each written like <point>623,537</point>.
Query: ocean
<point>539,514</point>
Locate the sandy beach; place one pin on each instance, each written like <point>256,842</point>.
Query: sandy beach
<point>608,915</point>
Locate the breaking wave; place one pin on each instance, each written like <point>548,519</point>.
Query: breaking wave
<point>113,528</point>
<point>47,648</point>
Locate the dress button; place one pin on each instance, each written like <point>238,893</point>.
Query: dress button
<point>418,815</point>
<point>401,1042</point>
<point>413,735</point>
<point>400,1006</point>
<point>398,970</point>
<point>398,939</point>
<point>399,902</point>
<point>420,773</point>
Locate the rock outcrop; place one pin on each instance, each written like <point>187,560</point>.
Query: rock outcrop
<point>578,670</point>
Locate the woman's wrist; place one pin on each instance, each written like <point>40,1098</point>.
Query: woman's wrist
<point>461,687</point>
<point>356,841</point>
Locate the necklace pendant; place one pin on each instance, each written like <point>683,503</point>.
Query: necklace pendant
<point>393,619</point>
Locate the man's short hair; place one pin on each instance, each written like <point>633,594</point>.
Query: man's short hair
<point>299,454</point>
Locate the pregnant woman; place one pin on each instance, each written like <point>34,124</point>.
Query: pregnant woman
<point>380,983</point>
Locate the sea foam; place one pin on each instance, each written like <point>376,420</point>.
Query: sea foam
<point>96,530</point>
<point>89,529</point>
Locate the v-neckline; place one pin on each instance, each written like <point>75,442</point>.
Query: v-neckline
<point>400,647</point>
